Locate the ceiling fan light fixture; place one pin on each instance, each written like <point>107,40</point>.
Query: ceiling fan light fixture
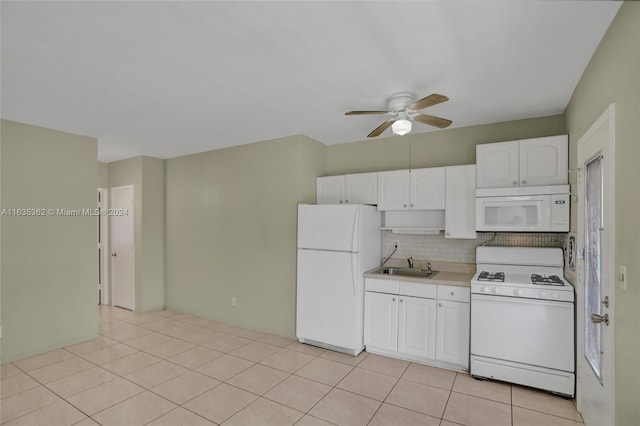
<point>401,127</point>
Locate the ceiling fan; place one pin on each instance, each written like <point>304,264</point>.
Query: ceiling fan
<point>404,109</point>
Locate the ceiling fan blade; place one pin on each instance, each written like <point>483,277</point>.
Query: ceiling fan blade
<point>365,112</point>
<point>381,128</point>
<point>432,121</point>
<point>428,101</point>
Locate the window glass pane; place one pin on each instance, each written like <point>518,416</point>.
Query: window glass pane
<point>593,272</point>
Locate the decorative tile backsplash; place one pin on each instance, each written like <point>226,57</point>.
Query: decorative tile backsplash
<point>440,249</point>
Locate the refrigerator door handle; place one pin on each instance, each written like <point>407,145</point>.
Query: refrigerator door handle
<point>354,231</point>
<point>354,269</point>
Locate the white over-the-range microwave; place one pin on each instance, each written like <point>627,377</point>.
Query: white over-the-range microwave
<point>523,209</point>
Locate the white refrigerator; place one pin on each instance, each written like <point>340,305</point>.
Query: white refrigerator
<point>336,245</point>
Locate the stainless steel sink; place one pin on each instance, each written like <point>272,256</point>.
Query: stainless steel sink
<point>408,272</point>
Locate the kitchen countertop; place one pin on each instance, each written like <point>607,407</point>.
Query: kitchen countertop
<point>442,277</point>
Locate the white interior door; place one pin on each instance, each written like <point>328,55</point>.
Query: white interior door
<point>122,247</point>
<point>596,277</point>
<point>103,247</point>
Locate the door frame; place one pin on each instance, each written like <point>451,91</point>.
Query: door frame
<point>607,118</point>
<point>104,244</point>
<point>133,254</point>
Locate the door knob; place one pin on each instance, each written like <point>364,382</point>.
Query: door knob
<point>595,318</point>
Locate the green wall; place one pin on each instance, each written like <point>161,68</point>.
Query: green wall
<point>103,175</point>
<point>613,75</point>
<point>146,174</point>
<point>231,218</point>
<point>48,266</point>
<point>433,149</point>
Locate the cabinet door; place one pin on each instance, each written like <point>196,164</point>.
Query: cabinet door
<point>381,320</point>
<point>427,189</point>
<point>330,189</point>
<point>417,326</point>
<point>498,164</point>
<point>544,161</point>
<point>362,188</point>
<point>452,343</point>
<point>460,202</point>
<point>393,190</point>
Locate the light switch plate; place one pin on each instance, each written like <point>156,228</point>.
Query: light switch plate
<point>622,277</point>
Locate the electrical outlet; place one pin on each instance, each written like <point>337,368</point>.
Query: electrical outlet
<point>396,243</point>
<point>234,301</point>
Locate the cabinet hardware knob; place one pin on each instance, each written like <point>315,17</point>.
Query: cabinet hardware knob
<point>448,233</point>
<point>440,304</point>
<point>524,181</point>
<point>452,293</point>
<point>405,206</point>
<point>401,300</point>
<point>393,300</point>
<point>340,201</point>
<point>346,201</point>
<point>515,182</point>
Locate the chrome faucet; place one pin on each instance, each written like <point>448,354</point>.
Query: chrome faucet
<point>410,260</point>
<point>429,266</point>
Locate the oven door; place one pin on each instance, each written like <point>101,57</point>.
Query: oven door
<point>528,331</point>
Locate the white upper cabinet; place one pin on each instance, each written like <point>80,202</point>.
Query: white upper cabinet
<point>361,188</point>
<point>460,202</point>
<point>427,189</point>
<point>498,164</point>
<point>528,162</point>
<point>393,190</point>
<point>358,188</point>
<point>418,189</point>
<point>544,161</point>
<point>330,190</point>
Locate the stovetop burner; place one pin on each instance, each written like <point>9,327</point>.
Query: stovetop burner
<point>491,276</point>
<point>546,280</point>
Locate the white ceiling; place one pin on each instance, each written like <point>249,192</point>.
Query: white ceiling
<point>172,78</point>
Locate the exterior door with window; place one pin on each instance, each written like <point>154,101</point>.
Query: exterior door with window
<point>596,275</point>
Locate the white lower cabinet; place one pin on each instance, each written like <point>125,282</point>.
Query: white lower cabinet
<point>381,322</point>
<point>424,329</point>
<point>417,326</point>
<point>452,335</point>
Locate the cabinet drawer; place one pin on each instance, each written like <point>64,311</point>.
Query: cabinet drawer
<point>418,290</point>
<point>381,286</point>
<point>454,293</point>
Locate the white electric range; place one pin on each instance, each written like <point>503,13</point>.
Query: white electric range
<point>522,318</point>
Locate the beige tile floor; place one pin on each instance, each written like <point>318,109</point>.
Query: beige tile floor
<point>171,369</point>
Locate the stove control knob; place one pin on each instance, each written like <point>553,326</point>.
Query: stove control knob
<point>518,292</point>
<point>543,293</point>
<point>555,294</point>
<point>483,289</point>
<point>495,290</point>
